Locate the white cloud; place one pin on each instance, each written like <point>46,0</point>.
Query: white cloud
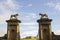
<point>31,15</point>
<point>51,4</point>
<point>55,5</point>
<point>31,23</point>
<point>58,6</point>
<point>3,18</point>
<point>9,5</point>
<point>6,8</point>
<point>12,4</point>
<point>2,31</point>
<point>29,33</point>
<point>29,5</point>
<point>57,32</point>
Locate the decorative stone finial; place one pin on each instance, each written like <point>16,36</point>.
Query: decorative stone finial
<point>43,15</point>
<point>14,16</point>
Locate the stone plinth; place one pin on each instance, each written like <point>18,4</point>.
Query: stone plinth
<point>45,32</point>
<point>13,29</point>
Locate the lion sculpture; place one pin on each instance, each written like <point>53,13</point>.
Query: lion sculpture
<point>14,16</point>
<point>44,15</point>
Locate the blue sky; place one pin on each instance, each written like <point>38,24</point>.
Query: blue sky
<point>28,11</point>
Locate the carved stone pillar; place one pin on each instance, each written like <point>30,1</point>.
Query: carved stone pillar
<point>45,32</point>
<point>13,28</point>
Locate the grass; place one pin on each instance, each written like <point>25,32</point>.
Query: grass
<point>30,38</point>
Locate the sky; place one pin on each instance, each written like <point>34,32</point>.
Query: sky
<point>28,11</point>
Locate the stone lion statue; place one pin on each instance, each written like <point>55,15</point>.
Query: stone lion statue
<point>44,15</point>
<point>14,16</point>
